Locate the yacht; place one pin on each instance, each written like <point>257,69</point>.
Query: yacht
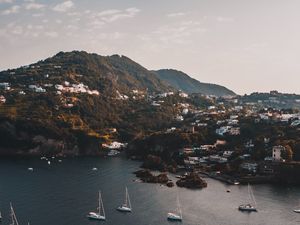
<point>126,206</point>
<point>100,215</point>
<point>177,214</point>
<point>297,210</point>
<point>249,207</point>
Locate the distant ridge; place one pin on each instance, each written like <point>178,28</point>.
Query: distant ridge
<point>184,82</point>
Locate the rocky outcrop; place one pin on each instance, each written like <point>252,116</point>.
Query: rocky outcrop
<point>192,181</point>
<point>170,184</point>
<point>148,177</point>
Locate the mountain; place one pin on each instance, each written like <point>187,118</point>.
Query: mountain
<point>74,102</point>
<point>184,82</point>
<point>113,72</point>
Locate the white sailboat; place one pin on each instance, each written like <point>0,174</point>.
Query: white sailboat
<point>251,206</point>
<point>13,216</point>
<point>177,214</point>
<point>100,215</point>
<point>297,210</point>
<point>126,206</point>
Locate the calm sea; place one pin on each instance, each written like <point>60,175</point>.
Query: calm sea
<point>63,193</point>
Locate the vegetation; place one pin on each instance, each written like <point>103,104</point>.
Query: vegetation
<point>182,81</point>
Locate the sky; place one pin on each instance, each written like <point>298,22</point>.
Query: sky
<point>245,45</point>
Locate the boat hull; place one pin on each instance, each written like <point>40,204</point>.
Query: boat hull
<point>246,208</point>
<point>174,217</point>
<point>124,209</point>
<point>95,216</point>
<point>297,210</point>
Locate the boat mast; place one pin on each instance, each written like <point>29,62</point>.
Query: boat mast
<point>253,197</point>
<point>249,193</point>
<point>101,206</point>
<point>14,220</point>
<point>128,199</point>
<point>178,207</point>
<point>99,202</point>
<point>126,194</point>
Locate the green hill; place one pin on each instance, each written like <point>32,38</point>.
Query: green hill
<point>182,81</point>
<point>74,102</point>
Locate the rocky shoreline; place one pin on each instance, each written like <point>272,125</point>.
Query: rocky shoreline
<point>192,181</point>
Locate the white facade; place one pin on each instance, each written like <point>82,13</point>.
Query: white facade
<point>277,150</point>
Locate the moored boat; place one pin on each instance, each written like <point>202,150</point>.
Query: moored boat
<point>177,214</point>
<point>249,207</point>
<point>100,215</point>
<point>297,210</point>
<point>126,206</point>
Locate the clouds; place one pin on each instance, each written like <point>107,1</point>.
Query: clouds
<point>34,6</point>
<point>51,34</point>
<point>177,14</point>
<point>222,19</point>
<point>177,33</point>
<point>6,1</point>
<point>28,5</point>
<point>64,6</point>
<point>15,30</point>
<point>111,15</point>
<point>12,10</point>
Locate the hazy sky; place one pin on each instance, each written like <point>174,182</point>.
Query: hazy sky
<point>246,45</point>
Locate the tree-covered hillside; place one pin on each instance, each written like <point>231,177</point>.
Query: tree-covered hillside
<point>182,81</point>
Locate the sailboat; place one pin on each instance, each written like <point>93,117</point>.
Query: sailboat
<point>126,206</point>
<point>177,214</point>
<point>249,207</point>
<point>297,210</point>
<point>100,215</point>
<point>13,217</point>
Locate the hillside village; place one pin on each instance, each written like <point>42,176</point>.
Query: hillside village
<point>61,106</point>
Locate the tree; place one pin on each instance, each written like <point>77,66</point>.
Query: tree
<point>288,153</point>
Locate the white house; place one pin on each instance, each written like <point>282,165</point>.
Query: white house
<point>2,99</point>
<point>223,130</point>
<point>277,153</point>
<point>5,86</point>
<point>185,111</point>
<point>40,90</point>
<point>227,154</point>
<point>114,145</point>
<point>179,118</point>
<point>183,95</point>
